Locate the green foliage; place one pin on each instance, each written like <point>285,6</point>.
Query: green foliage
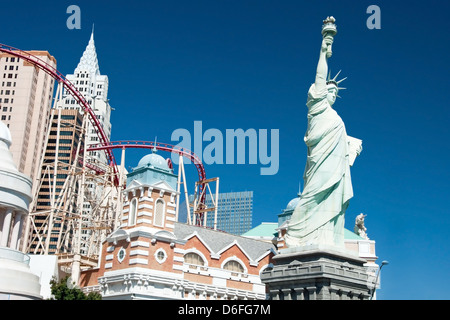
<point>94,296</point>
<point>64,291</point>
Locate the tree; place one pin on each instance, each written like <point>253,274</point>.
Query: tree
<point>66,290</point>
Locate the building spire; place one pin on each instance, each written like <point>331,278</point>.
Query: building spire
<point>88,61</point>
<point>154,150</point>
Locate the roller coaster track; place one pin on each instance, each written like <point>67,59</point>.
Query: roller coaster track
<point>104,144</point>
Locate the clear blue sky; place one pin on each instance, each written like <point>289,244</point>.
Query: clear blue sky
<point>248,64</point>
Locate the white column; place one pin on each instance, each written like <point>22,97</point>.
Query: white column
<point>76,269</point>
<point>16,231</point>
<point>120,195</point>
<point>6,226</point>
<point>2,216</point>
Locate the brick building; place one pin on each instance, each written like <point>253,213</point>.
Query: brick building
<point>152,256</point>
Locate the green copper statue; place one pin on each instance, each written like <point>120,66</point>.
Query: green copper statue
<point>319,216</point>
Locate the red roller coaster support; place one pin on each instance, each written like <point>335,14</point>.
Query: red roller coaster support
<point>162,147</point>
<point>150,145</point>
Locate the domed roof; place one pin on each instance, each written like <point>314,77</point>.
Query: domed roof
<point>5,134</point>
<point>293,203</point>
<point>154,160</point>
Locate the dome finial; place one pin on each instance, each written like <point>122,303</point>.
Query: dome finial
<point>154,146</point>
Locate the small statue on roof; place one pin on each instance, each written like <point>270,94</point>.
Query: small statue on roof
<point>360,229</point>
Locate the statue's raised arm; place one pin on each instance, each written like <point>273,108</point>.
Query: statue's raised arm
<point>322,66</point>
<point>328,32</point>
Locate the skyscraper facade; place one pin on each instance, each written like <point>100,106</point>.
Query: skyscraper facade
<point>52,213</point>
<point>234,213</point>
<point>26,95</point>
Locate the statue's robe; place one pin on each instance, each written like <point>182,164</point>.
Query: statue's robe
<point>319,215</point>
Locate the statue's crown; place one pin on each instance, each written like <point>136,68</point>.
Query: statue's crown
<point>334,81</point>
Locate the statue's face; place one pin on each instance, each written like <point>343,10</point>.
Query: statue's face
<point>332,94</point>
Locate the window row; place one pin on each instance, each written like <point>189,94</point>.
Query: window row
<point>5,109</point>
<point>73,101</point>
<point>8,92</point>
<point>12,59</point>
<point>190,258</point>
<point>195,259</point>
<point>10,76</point>
<point>158,213</point>
<point>6,100</point>
<point>8,84</point>
<point>11,67</point>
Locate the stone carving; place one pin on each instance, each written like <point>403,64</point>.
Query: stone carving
<point>360,229</point>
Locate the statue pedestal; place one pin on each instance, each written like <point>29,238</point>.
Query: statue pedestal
<point>317,272</point>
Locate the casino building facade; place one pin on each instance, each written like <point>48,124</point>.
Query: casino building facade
<point>153,256</point>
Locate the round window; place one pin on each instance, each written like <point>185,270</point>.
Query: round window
<point>160,255</point>
<point>121,254</point>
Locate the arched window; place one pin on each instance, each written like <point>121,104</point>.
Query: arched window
<point>194,258</point>
<point>158,219</point>
<point>234,266</point>
<point>132,213</point>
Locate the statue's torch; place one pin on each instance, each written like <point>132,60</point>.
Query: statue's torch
<point>329,31</point>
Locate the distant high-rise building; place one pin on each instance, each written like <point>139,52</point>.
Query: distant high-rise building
<point>234,213</point>
<point>51,210</point>
<point>26,94</point>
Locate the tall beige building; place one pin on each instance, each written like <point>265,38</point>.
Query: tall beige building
<point>26,94</point>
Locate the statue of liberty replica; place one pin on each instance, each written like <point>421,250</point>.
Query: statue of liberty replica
<point>318,218</point>
<point>316,265</point>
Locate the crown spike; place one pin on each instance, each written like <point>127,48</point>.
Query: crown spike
<point>335,77</point>
<point>341,80</point>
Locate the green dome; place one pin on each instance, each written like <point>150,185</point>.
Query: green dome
<point>154,160</point>
<point>293,203</point>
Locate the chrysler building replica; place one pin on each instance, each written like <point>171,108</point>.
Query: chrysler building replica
<point>94,87</point>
